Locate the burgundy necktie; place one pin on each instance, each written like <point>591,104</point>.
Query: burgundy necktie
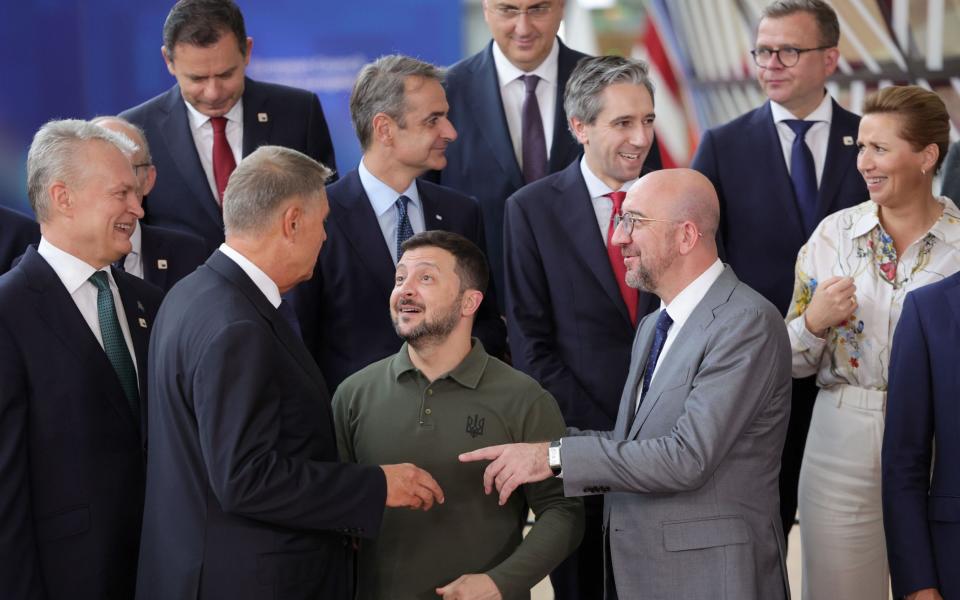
<point>532,142</point>
<point>630,295</point>
<point>223,161</point>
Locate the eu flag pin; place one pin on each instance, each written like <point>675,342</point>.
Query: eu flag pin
<point>439,218</point>
<point>848,140</point>
<point>162,264</point>
<point>262,117</point>
<point>143,322</point>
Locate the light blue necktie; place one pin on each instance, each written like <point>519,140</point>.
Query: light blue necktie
<point>114,344</point>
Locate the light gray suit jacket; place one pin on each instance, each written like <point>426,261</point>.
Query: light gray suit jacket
<point>692,499</point>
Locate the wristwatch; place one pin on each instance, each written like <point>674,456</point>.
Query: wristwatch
<point>553,456</point>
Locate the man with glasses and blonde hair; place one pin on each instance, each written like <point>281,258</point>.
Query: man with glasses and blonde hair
<point>778,170</point>
<point>506,102</point>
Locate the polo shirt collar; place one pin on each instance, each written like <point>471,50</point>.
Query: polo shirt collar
<point>468,373</point>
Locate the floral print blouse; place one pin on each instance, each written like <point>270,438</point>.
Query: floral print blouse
<point>852,243</point>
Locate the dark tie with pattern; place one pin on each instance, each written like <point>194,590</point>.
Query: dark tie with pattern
<point>532,142</point>
<point>114,344</point>
<point>663,325</point>
<point>404,229</point>
<point>223,161</point>
<point>803,172</point>
<point>629,294</point>
<point>290,316</point>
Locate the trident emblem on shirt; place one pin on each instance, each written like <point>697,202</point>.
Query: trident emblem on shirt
<point>475,425</point>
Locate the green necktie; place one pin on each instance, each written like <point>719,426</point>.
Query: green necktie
<point>114,344</point>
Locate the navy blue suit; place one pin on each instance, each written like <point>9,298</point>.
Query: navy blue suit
<point>71,454</point>
<point>169,255</point>
<point>921,514</point>
<point>17,231</point>
<point>182,198</point>
<point>344,310</point>
<point>481,162</point>
<point>568,328</point>
<point>246,498</point>
<point>761,232</point>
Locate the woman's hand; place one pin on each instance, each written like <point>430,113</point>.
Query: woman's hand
<point>833,302</point>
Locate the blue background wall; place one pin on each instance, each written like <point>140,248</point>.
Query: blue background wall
<point>82,58</point>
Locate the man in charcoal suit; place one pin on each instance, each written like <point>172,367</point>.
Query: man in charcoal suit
<point>16,233</point>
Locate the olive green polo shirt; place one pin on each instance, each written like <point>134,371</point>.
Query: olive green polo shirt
<point>390,413</point>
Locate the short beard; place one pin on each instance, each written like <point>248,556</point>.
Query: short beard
<point>646,279</point>
<point>431,332</point>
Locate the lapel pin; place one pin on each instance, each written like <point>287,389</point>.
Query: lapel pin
<point>262,117</point>
<point>140,306</point>
<point>143,322</point>
<point>162,264</point>
<point>439,218</point>
<point>847,140</point>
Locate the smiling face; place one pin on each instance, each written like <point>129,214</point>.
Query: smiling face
<point>651,249</point>
<point>427,301</point>
<point>617,143</point>
<point>890,165</point>
<point>210,77</point>
<point>798,88</point>
<point>420,145</point>
<point>524,39</point>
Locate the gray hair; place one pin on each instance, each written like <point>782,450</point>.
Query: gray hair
<point>381,88</point>
<point>822,12</point>
<point>141,139</point>
<point>263,181</point>
<point>583,98</point>
<point>56,155</point>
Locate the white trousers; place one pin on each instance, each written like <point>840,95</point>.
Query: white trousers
<point>841,519</point>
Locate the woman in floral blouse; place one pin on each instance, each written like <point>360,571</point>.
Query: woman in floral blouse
<point>851,279</point>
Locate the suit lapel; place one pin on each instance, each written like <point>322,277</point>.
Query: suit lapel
<point>628,402</point>
<point>487,108</point>
<point>433,211</point>
<point>360,228</point>
<point>768,144</point>
<point>179,140</point>
<point>151,250</point>
<point>139,326</point>
<point>256,129</point>
<point>840,159</point>
<point>58,310</point>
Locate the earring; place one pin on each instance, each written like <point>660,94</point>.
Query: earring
<point>923,171</point>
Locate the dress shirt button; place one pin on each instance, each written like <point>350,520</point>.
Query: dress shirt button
<point>428,411</point>
<point>429,392</point>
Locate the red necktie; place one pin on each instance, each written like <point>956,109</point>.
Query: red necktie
<point>223,161</point>
<point>630,295</point>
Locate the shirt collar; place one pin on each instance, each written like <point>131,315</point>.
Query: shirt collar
<point>946,228</point>
<point>687,300</point>
<point>198,119</point>
<point>136,239</point>
<point>72,271</point>
<point>823,112</point>
<point>595,187</point>
<point>382,197</point>
<point>468,373</point>
<point>260,279</point>
<point>508,73</point>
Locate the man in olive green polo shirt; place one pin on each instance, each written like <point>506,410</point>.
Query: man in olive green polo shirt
<point>442,395</point>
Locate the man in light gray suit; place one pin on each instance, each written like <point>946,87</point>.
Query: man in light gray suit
<point>690,470</point>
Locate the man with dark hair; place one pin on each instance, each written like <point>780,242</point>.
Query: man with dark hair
<point>399,112</point>
<point>158,255</point>
<point>779,169</point>
<point>441,395</point>
<point>201,127</point>
<point>16,233</point>
<point>246,497</point>
<point>570,315</point>
<point>73,375</point>
<point>507,103</point>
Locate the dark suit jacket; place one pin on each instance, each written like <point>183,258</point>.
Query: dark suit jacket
<point>482,163</point>
<point>182,198</point>
<point>921,514</point>
<point>246,498</point>
<point>17,231</point>
<point>951,173</point>
<point>169,256</point>
<point>568,325</point>
<point>344,310</point>
<point>760,227</point>
<point>71,454</point>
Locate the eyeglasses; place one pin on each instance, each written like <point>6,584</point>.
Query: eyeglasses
<point>508,13</point>
<point>788,55</point>
<point>141,169</point>
<point>629,221</point>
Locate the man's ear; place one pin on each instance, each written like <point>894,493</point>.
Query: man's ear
<point>471,302</point>
<point>292,218</point>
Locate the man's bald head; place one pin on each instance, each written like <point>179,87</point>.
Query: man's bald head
<point>680,195</point>
<point>141,159</point>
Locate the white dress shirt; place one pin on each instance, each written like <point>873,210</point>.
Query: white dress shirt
<point>817,136</point>
<point>75,275</point>
<point>202,131</point>
<point>598,190</point>
<point>260,279</point>
<point>513,91</point>
<point>133,263</point>
<point>383,199</point>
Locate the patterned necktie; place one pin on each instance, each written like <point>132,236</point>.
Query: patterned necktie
<point>663,325</point>
<point>114,344</point>
<point>404,229</point>
<point>630,295</point>
<point>803,173</point>
<point>223,161</point>
<point>532,142</point>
